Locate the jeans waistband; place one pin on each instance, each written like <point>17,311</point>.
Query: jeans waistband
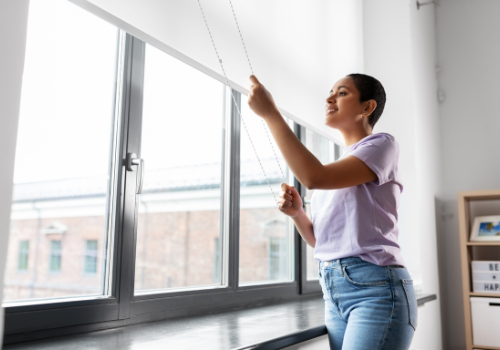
<point>349,261</point>
<point>339,263</point>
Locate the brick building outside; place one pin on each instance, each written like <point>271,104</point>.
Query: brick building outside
<point>58,244</point>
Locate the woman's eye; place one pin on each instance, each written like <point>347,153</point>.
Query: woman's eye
<point>342,93</point>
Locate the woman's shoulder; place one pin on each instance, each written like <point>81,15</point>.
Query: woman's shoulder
<point>381,139</point>
<point>382,136</point>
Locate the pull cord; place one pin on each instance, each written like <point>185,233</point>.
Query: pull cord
<point>234,99</point>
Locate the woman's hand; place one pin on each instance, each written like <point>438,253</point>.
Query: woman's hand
<point>260,100</point>
<point>289,202</point>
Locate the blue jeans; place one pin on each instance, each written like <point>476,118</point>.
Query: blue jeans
<point>367,306</point>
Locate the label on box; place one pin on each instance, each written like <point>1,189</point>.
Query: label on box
<point>487,287</point>
<point>492,266</point>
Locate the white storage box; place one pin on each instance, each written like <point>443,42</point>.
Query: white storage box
<point>485,321</point>
<point>486,276</point>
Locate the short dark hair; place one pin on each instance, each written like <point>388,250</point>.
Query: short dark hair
<point>370,89</point>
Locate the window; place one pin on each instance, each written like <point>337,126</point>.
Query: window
<point>63,175</point>
<point>55,256</point>
<point>24,250</point>
<point>180,205</point>
<point>260,220</point>
<point>326,151</point>
<point>146,182</point>
<point>91,253</point>
<point>217,260</point>
<point>278,258</point>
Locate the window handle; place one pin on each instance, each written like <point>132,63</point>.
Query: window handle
<point>133,160</point>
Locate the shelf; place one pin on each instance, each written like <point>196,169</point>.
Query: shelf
<point>468,252</point>
<point>480,195</point>
<point>479,294</point>
<point>483,243</point>
<point>485,347</point>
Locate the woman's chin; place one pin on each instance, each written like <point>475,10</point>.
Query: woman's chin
<point>331,123</point>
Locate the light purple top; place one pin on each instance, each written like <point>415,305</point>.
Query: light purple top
<point>362,220</point>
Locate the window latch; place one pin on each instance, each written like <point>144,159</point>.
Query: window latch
<point>130,162</point>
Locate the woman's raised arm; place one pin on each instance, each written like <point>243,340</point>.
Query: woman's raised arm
<point>347,172</point>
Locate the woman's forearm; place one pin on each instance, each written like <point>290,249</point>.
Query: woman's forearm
<point>303,164</point>
<point>305,227</point>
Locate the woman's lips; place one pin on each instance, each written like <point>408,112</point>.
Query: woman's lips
<point>330,110</point>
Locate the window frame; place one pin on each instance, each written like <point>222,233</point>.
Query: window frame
<point>29,321</point>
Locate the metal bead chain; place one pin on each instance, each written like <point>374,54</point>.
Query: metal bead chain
<point>251,70</point>
<point>234,101</point>
<point>241,36</point>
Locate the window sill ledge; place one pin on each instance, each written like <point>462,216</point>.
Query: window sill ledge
<point>267,327</point>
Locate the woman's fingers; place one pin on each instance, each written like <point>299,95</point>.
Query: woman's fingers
<point>282,203</point>
<point>254,80</point>
<point>286,196</point>
<point>285,188</point>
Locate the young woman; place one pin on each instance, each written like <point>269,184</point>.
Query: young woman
<point>369,298</point>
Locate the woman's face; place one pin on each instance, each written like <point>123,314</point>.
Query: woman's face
<point>342,105</point>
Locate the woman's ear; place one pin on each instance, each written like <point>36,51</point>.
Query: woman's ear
<point>369,107</point>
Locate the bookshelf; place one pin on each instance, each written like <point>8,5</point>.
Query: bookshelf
<point>474,250</point>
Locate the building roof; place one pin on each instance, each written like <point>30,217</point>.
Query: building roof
<point>184,178</point>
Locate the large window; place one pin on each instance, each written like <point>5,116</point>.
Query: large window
<point>137,192</point>
<point>62,169</point>
<point>179,213</point>
<point>265,233</point>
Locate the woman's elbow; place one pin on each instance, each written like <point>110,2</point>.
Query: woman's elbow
<point>311,184</point>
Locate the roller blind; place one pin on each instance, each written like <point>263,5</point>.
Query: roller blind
<point>298,49</point>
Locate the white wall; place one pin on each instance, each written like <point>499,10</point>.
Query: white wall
<point>400,51</point>
<point>297,49</point>
<point>13,27</point>
<point>469,58</point>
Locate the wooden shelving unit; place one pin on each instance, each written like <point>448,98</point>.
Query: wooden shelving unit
<point>467,255</point>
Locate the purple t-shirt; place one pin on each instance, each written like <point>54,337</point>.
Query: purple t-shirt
<point>362,220</point>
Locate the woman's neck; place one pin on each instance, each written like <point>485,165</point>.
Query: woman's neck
<point>355,135</point>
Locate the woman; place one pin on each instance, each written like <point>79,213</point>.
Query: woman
<point>369,298</point>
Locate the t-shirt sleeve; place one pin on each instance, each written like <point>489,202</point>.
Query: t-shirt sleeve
<point>381,154</point>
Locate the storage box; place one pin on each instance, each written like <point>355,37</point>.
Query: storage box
<point>486,276</point>
<point>485,321</point>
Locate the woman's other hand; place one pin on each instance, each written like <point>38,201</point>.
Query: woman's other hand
<point>289,201</point>
<point>260,100</point>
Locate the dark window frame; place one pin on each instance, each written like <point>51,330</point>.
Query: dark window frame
<point>63,316</point>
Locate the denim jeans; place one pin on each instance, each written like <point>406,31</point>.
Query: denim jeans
<point>368,307</point>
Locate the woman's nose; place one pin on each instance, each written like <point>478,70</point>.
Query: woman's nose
<point>330,99</point>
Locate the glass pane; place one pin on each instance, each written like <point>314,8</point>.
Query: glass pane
<point>179,214</point>
<point>324,150</point>
<point>265,233</point>
<point>63,154</point>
